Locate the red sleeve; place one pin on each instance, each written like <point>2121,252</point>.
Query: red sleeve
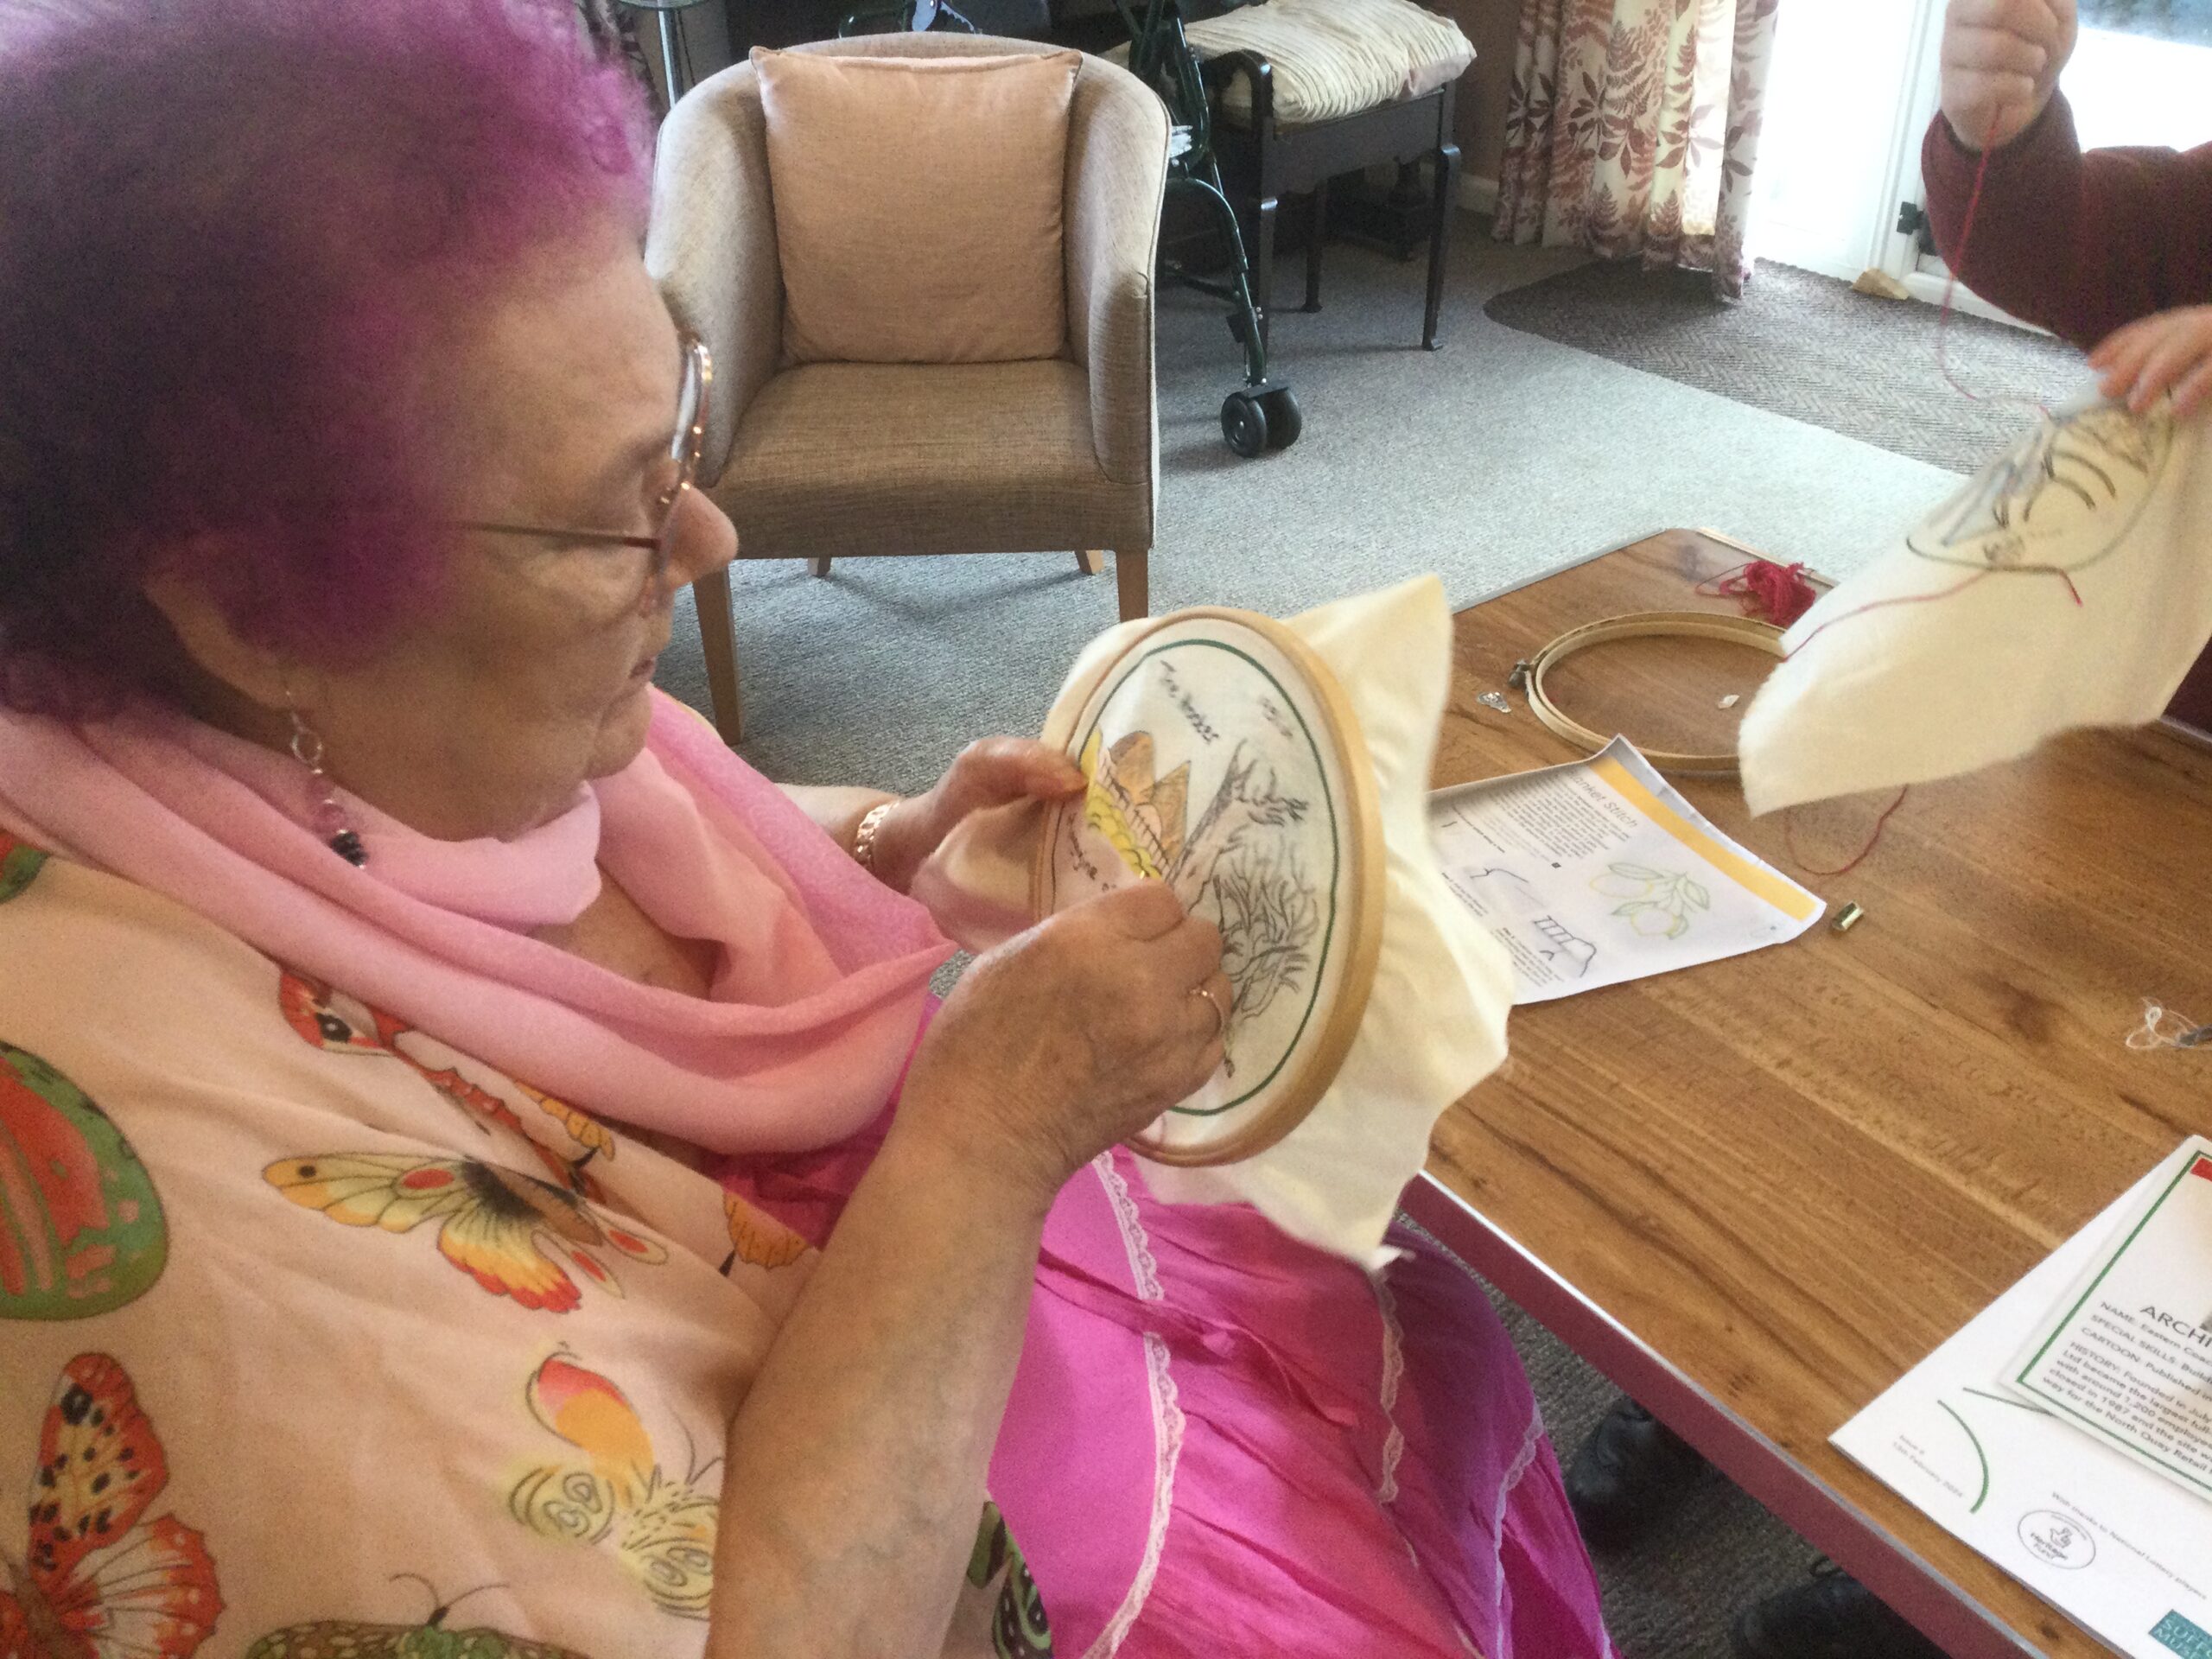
<point>2078,242</point>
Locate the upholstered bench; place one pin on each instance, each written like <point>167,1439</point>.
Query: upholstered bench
<point>1314,88</point>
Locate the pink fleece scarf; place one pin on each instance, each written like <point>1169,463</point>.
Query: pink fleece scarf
<point>823,971</point>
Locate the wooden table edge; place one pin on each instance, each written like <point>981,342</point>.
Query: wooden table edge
<point>1580,559</point>
<point>1946,1614</point>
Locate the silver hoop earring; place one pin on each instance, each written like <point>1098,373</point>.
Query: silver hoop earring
<point>326,816</point>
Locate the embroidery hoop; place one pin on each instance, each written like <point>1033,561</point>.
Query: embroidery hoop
<point>1312,1061</point>
<point>1645,625</point>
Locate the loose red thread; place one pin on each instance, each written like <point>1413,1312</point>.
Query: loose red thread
<point>1951,280</point>
<point>1941,593</point>
<point>1884,604</point>
<point>1790,836</point>
<point>1943,364</point>
<point>1764,586</point>
<point>1773,593</point>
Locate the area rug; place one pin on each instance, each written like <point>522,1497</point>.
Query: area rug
<point>1811,348</point>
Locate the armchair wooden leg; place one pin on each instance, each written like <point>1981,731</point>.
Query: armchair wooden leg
<point>1129,576</point>
<point>1316,232</point>
<point>820,567</point>
<point>1090,561</point>
<point>1448,198</point>
<point>718,644</point>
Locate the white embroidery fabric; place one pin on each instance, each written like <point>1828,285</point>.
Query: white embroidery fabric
<point>2068,585</point>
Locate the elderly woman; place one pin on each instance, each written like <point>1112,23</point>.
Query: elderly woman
<point>445,1175</point>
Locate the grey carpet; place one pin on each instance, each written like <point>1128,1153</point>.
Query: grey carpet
<point>1502,456</point>
<point>1811,348</point>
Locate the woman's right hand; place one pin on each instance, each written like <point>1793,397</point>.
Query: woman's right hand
<point>1072,1037</point>
<point>2001,62</point>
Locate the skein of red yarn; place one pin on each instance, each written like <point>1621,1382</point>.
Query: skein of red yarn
<point>1780,594</point>
<point>1773,593</point>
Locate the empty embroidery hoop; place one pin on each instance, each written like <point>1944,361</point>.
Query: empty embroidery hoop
<point>1276,711</point>
<point>1763,637</point>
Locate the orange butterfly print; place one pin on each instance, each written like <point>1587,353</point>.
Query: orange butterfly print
<point>756,1236</point>
<point>587,1131</point>
<point>98,1580</point>
<point>661,1529</point>
<point>338,1024</point>
<point>516,1235</point>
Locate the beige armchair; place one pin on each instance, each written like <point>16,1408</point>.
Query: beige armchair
<point>834,460</point>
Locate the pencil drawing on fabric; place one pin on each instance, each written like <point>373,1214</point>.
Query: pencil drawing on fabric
<point>1196,721</point>
<point>2062,499</point>
<point>1240,860</point>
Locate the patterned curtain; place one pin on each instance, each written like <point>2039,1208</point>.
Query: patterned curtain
<point>1634,129</point>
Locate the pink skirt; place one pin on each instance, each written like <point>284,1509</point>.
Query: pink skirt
<point>1221,1441</point>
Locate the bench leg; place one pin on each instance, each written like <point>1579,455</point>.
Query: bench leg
<point>1317,231</point>
<point>820,567</point>
<point>1448,198</point>
<point>718,644</point>
<point>1090,561</point>
<point>1129,576</point>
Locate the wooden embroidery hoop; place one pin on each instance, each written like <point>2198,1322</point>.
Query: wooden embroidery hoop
<point>1362,816</point>
<point>1644,625</point>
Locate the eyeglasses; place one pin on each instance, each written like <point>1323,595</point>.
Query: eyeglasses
<point>681,470</point>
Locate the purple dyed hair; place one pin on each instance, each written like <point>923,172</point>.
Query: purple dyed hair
<point>228,231</point>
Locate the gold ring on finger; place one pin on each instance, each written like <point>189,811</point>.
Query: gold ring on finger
<point>1220,1013</point>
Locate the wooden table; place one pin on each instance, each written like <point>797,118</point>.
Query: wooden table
<point>1754,1194</point>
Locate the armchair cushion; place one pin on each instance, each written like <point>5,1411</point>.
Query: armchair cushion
<point>919,205</point>
<point>1334,58</point>
<point>842,459</point>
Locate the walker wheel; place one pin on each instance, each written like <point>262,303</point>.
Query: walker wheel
<point>1245,424</point>
<point>1285,419</point>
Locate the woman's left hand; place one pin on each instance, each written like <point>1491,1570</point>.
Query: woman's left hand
<point>2169,350</point>
<point>989,773</point>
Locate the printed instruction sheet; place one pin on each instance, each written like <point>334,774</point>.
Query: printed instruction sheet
<point>2122,1549</point>
<point>2126,1356</point>
<point>1599,871</point>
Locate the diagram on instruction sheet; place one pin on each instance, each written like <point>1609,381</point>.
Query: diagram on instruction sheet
<point>1657,904</point>
<point>1599,871</point>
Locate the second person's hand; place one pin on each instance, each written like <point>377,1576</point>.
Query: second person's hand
<point>2167,352</point>
<point>2001,63</point>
